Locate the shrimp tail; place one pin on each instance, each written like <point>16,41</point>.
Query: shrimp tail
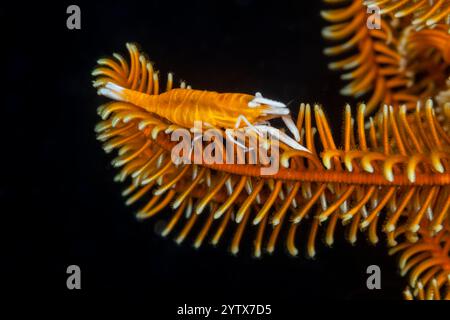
<point>118,93</point>
<point>115,92</point>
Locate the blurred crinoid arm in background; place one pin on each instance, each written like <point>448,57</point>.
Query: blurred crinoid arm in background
<point>368,58</point>
<point>400,62</point>
<point>426,56</point>
<point>418,13</point>
<point>443,108</point>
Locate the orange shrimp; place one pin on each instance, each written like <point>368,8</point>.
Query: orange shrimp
<point>231,111</point>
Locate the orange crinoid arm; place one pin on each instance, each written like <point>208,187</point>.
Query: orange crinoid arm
<point>427,262</point>
<point>395,173</point>
<point>420,13</point>
<point>426,53</point>
<point>368,57</point>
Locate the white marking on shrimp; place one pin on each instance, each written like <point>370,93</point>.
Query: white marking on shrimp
<point>274,132</point>
<point>259,99</point>
<point>291,126</point>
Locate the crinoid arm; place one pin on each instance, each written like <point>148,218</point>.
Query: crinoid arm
<point>421,14</point>
<point>426,261</point>
<point>390,177</point>
<point>367,57</point>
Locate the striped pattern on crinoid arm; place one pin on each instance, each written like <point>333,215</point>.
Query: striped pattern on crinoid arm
<point>368,57</point>
<point>420,13</point>
<point>426,261</point>
<point>399,165</point>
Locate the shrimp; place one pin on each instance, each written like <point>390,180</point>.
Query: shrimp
<point>231,111</point>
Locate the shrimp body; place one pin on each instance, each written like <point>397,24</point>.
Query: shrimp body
<point>185,106</point>
<point>231,111</point>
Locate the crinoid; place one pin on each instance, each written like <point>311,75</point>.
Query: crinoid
<point>394,174</point>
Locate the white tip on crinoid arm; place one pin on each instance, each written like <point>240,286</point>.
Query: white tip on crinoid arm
<point>112,91</point>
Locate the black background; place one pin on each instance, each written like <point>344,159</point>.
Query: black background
<point>60,206</point>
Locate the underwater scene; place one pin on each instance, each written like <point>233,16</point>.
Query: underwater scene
<point>229,158</point>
